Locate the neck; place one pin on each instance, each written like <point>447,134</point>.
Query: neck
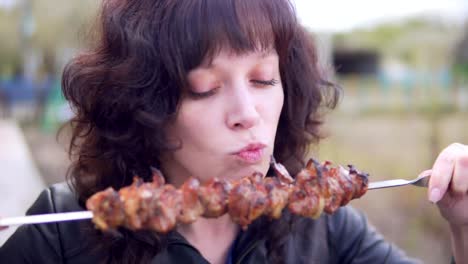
<point>204,234</point>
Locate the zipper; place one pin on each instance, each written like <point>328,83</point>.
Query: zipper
<point>177,241</point>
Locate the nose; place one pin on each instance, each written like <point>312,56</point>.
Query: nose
<point>242,109</point>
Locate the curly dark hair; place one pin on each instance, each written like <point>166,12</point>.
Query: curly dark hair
<point>128,86</point>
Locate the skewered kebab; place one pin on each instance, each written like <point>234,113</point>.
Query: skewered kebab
<point>158,206</point>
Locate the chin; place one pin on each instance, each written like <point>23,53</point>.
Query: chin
<point>249,170</point>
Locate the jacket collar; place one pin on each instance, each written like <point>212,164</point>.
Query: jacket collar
<point>247,247</point>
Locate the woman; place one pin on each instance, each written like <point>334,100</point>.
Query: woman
<point>207,89</point>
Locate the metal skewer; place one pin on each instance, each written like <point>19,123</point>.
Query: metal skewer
<point>46,218</point>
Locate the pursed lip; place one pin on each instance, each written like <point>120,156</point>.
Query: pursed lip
<point>251,154</point>
<point>251,147</point>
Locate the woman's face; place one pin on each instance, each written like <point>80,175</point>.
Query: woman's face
<point>227,120</point>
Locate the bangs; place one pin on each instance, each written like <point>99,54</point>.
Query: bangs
<point>200,29</point>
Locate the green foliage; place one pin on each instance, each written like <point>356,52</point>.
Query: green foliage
<point>58,25</point>
<point>9,53</point>
<point>461,70</point>
<point>420,42</point>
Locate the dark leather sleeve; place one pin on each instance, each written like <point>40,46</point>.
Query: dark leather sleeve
<point>356,241</point>
<point>53,242</point>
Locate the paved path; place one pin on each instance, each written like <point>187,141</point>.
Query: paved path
<point>20,181</point>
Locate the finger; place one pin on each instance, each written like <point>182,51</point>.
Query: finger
<point>460,175</point>
<point>425,173</point>
<point>2,227</point>
<point>442,172</point>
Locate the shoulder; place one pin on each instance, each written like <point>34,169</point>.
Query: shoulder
<point>60,198</point>
<point>349,223</point>
<point>345,219</point>
<point>352,239</point>
<point>54,242</point>
<point>323,239</point>
<point>57,198</point>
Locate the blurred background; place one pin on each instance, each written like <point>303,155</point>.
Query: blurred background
<point>403,66</point>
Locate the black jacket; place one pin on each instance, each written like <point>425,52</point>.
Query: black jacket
<point>344,237</point>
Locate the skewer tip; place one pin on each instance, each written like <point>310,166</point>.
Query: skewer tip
<point>272,160</point>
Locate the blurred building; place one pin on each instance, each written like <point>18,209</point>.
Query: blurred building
<point>358,62</point>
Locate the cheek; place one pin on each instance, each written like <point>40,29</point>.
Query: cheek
<point>193,125</point>
<point>186,125</point>
<point>275,105</point>
<point>280,102</point>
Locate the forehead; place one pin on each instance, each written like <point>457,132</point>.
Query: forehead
<point>228,54</point>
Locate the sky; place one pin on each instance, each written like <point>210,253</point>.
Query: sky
<point>343,15</point>
<point>7,3</point>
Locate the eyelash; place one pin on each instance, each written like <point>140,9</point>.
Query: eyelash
<point>195,95</point>
<point>271,82</point>
<point>211,92</point>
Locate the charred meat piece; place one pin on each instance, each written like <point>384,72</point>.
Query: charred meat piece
<point>306,197</point>
<point>333,202</point>
<point>191,208</point>
<point>278,194</point>
<point>160,207</point>
<point>214,197</point>
<point>248,200</point>
<point>130,198</point>
<point>107,208</point>
<point>163,209</point>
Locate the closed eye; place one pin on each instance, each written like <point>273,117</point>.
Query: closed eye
<point>271,82</point>
<point>195,95</point>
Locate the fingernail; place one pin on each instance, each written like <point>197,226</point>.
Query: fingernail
<point>435,195</point>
